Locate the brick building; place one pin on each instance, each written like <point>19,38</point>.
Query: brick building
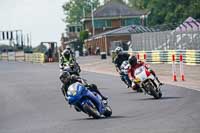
<point>110,22</point>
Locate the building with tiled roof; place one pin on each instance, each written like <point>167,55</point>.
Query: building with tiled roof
<point>111,16</point>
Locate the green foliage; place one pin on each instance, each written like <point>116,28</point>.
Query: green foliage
<point>83,35</point>
<point>120,1</point>
<point>76,9</point>
<point>139,4</point>
<point>168,11</point>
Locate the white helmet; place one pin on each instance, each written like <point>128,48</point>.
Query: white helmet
<point>118,50</point>
<point>68,47</point>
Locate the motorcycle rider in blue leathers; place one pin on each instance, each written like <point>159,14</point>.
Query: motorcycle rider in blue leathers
<point>68,79</point>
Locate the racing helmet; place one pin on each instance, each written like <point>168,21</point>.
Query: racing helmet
<point>118,50</point>
<point>66,53</point>
<point>132,60</point>
<point>65,77</point>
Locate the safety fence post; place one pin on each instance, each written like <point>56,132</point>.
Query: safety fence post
<point>174,68</point>
<point>145,57</point>
<point>138,56</point>
<point>181,68</point>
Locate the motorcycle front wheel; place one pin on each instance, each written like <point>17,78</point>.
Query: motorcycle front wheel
<point>91,111</point>
<point>108,111</point>
<point>154,93</point>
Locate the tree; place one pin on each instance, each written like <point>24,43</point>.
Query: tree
<point>120,1</point>
<point>75,10</point>
<point>139,4</point>
<point>83,35</point>
<point>168,11</point>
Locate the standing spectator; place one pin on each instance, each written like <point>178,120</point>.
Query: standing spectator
<point>97,50</point>
<point>50,53</point>
<point>90,50</point>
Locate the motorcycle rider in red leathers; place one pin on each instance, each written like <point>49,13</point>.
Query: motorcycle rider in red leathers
<point>134,64</point>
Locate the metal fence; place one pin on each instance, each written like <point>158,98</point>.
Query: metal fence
<point>165,40</point>
<point>190,57</point>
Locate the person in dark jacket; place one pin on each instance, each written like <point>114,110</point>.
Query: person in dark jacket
<point>120,58</point>
<point>50,54</point>
<point>118,61</point>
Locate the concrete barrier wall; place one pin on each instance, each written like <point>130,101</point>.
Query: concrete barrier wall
<point>21,56</point>
<point>11,56</point>
<point>4,56</point>
<point>38,58</point>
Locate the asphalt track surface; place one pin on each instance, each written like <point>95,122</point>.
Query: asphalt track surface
<point>31,102</point>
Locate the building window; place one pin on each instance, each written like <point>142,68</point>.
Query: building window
<point>102,23</point>
<point>78,29</point>
<point>99,23</point>
<point>108,23</point>
<point>130,21</point>
<point>72,29</point>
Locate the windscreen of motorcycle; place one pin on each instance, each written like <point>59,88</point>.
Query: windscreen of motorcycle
<point>140,73</point>
<point>67,68</point>
<point>73,88</point>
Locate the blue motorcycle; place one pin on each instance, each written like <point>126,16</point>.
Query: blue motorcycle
<point>87,101</point>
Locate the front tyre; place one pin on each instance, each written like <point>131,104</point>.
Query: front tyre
<point>108,111</point>
<point>91,111</point>
<point>154,93</point>
<point>160,94</point>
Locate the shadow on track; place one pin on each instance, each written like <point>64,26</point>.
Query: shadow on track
<point>163,98</point>
<point>103,118</point>
<point>131,92</point>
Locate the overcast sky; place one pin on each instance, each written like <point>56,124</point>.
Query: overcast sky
<point>41,18</point>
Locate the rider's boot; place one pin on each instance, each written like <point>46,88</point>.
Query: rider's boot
<point>160,83</point>
<point>154,74</point>
<point>138,89</point>
<point>103,97</point>
<point>93,87</point>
